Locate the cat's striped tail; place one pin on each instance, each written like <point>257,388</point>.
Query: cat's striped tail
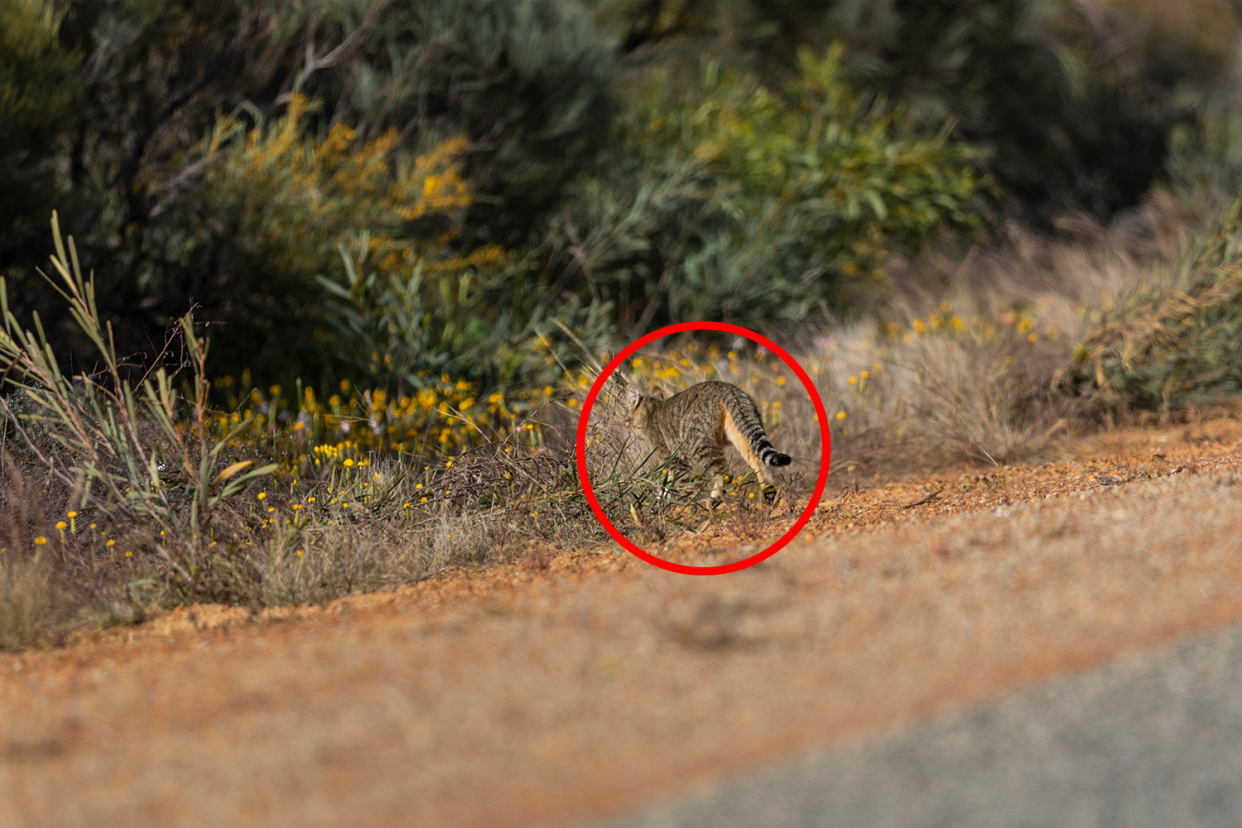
<point>769,455</point>
<point>746,419</point>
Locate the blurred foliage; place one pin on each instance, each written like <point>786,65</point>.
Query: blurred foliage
<point>149,79</point>
<point>1072,100</point>
<point>576,192</point>
<point>277,202</point>
<point>529,82</point>
<point>1174,340</point>
<point>747,206</point>
<point>409,297</point>
<point>38,89</point>
<point>407,323</point>
<point>1206,153</point>
<point>526,82</point>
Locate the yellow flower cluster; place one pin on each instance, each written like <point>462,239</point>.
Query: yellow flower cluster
<point>946,321</point>
<point>442,418</point>
<point>979,328</point>
<point>435,185</point>
<point>343,453</point>
<point>299,197</point>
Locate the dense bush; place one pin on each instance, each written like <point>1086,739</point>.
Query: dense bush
<point>38,88</point>
<point>1068,98</point>
<point>1072,101</point>
<point>525,81</point>
<point>406,324</point>
<point>743,205</point>
<point>276,202</point>
<point>763,191</point>
<point>363,251</point>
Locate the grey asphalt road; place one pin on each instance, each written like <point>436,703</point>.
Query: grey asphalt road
<point>1152,740</point>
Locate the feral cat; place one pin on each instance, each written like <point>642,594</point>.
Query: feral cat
<point>698,422</point>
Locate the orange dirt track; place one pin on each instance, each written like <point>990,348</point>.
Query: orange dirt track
<point>511,696</point>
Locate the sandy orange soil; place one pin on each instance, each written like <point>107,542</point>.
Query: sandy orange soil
<point>520,696</point>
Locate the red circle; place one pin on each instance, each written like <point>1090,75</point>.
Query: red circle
<point>826,448</point>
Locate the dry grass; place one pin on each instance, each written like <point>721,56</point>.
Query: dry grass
<point>958,359</point>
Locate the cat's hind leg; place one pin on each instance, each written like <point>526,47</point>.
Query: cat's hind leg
<point>717,468</point>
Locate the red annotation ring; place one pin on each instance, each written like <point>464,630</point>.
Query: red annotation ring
<point>821,415</point>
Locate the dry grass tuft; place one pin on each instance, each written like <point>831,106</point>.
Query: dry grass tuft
<point>27,602</point>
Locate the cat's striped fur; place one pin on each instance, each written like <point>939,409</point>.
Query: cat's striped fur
<point>698,423</point>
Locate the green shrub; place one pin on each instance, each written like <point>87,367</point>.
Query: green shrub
<point>404,327</point>
<point>529,82</point>
<point>281,199</point>
<point>354,237</point>
<point>103,127</point>
<point>1071,100</point>
<point>38,87</point>
<point>746,206</point>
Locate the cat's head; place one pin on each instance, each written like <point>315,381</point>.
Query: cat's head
<point>639,409</point>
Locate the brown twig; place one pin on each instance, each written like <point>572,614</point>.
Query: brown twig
<point>928,499</point>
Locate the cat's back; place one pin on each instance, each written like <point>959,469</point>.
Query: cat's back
<point>703,395</point>
<point>712,391</point>
<point>700,407</point>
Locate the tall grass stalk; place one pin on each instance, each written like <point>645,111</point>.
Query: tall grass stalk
<point>130,451</point>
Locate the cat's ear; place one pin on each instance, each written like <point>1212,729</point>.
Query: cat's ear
<point>632,399</point>
<point>657,393</point>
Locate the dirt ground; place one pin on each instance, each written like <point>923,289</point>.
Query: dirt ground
<point>525,696</point>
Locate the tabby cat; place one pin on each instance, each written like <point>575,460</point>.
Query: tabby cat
<point>698,423</point>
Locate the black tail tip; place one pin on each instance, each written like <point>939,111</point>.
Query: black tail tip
<point>780,460</point>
